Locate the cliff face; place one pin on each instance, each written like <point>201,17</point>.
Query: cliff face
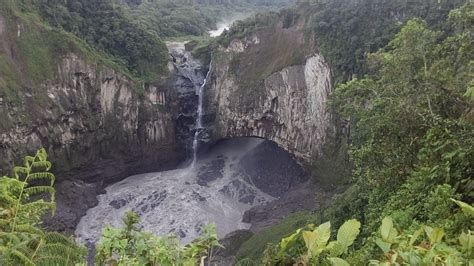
<point>91,120</point>
<point>97,124</point>
<point>272,84</point>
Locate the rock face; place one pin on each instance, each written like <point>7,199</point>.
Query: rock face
<point>98,128</point>
<point>252,94</point>
<point>188,77</point>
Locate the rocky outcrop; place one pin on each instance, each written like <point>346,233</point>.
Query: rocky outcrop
<point>272,84</point>
<point>98,127</point>
<point>97,124</point>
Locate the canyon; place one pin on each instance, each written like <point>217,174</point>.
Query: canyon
<point>101,126</point>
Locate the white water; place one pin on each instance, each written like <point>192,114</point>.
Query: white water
<point>177,202</point>
<point>221,27</point>
<point>199,127</point>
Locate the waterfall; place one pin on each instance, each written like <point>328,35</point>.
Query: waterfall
<point>199,126</point>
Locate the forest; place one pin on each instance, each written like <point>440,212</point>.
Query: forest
<point>403,81</point>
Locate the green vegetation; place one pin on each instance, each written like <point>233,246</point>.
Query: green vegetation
<point>254,247</point>
<point>174,18</point>
<point>130,246</point>
<point>106,28</point>
<point>309,245</point>
<point>412,142</point>
<point>342,27</point>
<point>317,250</point>
<point>24,199</point>
<point>27,196</point>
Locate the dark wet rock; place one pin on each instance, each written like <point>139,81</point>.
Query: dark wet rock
<point>159,197</point>
<point>179,233</point>
<point>247,199</point>
<point>198,196</point>
<point>152,201</point>
<point>68,192</point>
<point>118,203</point>
<point>211,172</point>
<point>255,215</point>
<point>240,190</point>
<point>303,197</point>
<point>284,171</point>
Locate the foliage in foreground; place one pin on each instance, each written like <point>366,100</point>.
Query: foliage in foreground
<point>426,246</point>
<point>309,245</point>
<point>130,246</point>
<point>412,136</point>
<point>24,199</point>
<point>27,196</point>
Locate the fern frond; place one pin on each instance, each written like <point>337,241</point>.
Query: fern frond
<point>42,154</point>
<point>22,258</point>
<point>54,249</point>
<point>51,261</point>
<point>17,170</point>
<point>4,222</point>
<point>39,206</point>
<point>10,237</point>
<point>54,237</point>
<point>7,200</point>
<point>42,176</point>
<point>42,165</point>
<point>39,189</point>
<point>27,228</point>
<point>29,159</point>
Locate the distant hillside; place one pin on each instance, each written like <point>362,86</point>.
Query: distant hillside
<point>172,18</point>
<point>105,26</point>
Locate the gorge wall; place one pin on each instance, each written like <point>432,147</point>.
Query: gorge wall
<point>273,84</point>
<point>100,125</point>
<point>97,123</point>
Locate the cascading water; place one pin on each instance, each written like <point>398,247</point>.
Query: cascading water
<point>199,126</point>
<point>218,186</point>
<point>182,201</point>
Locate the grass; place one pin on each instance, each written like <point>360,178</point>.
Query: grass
<point>255,246</point>
<point>39,50</point>
<point>9,81</point>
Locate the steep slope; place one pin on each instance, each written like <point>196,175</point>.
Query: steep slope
<point>98,123</point>
<point>274,84</point>
<point>260,66</point>
<point>273,73</point>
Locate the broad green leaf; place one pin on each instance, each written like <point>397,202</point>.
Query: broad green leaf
<point>387,230</point>
<point>348,232</point>
<point>415,236</point>
<point>466,208</point>
<point>336,248</point>
<point>324,233</point>
<point>466,240</point>
<point>434,234</point>
<point>316,240</point>
<point>384,246</point>
<point>310,241</point>
<point>338,261</point>
<point>285,242</point>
